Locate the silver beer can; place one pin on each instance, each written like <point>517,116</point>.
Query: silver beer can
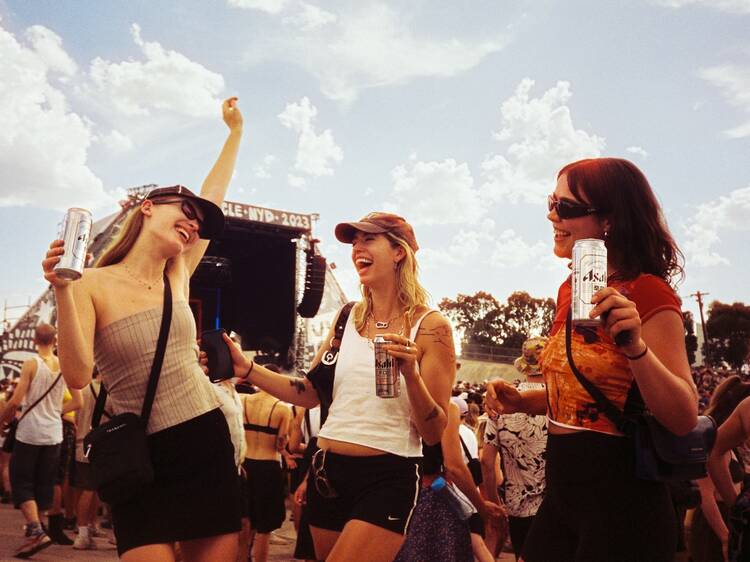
<point>387,373</point>
<point>589,276</point>
<point>76,231</point>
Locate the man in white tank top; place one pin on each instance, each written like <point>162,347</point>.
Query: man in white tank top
<point>36,451</point>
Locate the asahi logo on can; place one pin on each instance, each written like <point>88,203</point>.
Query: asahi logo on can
<point>76,230</point>
<point>387,372</point>
<point>589,277</point>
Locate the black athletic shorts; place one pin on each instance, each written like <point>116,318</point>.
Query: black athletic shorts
<point>265,495</point>
<point>32,473</point>
<point>381,490</point>
<point>595,509</point>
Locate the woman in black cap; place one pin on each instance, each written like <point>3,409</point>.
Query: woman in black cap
<point>364,480</point>
<point>111,317</point>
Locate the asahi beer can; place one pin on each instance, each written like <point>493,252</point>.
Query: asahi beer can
<point>76,230</point>
<point>387,373</point>
<point>589,276</point>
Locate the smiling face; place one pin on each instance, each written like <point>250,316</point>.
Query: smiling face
<point>374,257</point>
<point>173,220</point>
<point>567,231</point>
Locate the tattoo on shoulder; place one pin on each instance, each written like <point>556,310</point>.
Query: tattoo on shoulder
<point>441,336</point>
<point>432,415</point>
<point>298,384</point>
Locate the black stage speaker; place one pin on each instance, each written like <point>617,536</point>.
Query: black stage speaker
<point>315,281</point>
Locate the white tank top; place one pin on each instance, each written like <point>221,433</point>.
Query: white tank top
<point>357,415</point>
<point>43,424</point>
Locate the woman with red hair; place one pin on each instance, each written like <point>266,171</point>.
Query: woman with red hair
<point>594,507</point>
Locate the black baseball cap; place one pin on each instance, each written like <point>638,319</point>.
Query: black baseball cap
<point>212,224</point>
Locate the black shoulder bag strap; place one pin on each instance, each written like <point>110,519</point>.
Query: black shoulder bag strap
<point>42,397</point>
<point>465,448</point>
<point>602,402</point>
<point>153,379</point>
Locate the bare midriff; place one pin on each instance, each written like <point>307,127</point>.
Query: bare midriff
<point>349,449</point>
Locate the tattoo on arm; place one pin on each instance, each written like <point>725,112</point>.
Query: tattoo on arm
<point>432,415</point>
<point>441,336</point>
<point>299,385</point>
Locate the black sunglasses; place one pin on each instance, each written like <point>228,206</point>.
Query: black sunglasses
<point>187,209</point>
<point>567,209</point>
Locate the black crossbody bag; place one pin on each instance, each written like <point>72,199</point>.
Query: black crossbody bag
<point>660,455</point>
<point>474,466</point>
<point>118,450</point>
<point>10,436</point>
<point>321,376</point>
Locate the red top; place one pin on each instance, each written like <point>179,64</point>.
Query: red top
<point>601,361</point>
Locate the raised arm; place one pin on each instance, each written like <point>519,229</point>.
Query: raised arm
<point>215,185</point>
<point>429,369</point>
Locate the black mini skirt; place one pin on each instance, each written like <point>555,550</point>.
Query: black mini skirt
<point>195,493</point>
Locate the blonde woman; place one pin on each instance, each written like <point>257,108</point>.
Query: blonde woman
<point>364,481</point>
<point>111,317</point>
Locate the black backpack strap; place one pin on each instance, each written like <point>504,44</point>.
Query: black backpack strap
<point>161,347</point>
<point>602,402</point>
<point>308,423</point>
<point>42,397</point>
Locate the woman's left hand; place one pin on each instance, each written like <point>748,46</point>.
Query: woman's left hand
<point>231,114</point>
<point>619,316</point>
<point>407,353</point>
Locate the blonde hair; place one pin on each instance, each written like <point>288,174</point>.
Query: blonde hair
<point>124,241</point>
<point>410,293</point>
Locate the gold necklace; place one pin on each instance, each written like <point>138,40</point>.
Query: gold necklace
<point>383,325</point>
<point>148,286</point>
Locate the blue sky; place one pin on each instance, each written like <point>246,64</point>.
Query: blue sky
<point>455,114</point>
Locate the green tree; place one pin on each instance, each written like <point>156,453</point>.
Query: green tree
<point>691,341</point>
<point>728,328</point>
<point>486,321</point>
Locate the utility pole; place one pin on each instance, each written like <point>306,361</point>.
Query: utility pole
<point>699,297</point>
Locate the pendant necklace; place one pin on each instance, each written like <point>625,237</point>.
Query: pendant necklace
<point>380,326</point>
<point>148,286</point>
<point>383,325</point>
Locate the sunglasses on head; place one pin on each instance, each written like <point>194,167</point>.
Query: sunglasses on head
<point>187,209</point>
<point>567,209</point>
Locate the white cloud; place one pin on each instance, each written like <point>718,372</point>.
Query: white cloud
<point>309,17</point>
<point>164,80</point>
<point>728,213</point>
<point>317,153</point>
<point>734,83</point>
<point>733,6</point>
<point>263,170</point>
<point>511,250</point>
<point>369,45</point>
<point>43,145</point>
<point>267,6</point>
<point>539,138</point>
<point>296,181</point>
<point>637,150</point>
<point>436,193</point>
<point>115,141</point>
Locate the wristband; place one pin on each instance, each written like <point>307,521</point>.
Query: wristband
<point>641,354</point>
<point>250,370</point>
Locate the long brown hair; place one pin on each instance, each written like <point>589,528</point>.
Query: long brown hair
<point>125,239</point>
<point>411,294</point>
<point>638,240</point>
<point>726,397</point>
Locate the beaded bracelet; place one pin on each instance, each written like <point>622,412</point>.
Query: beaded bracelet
<point>641,354</point>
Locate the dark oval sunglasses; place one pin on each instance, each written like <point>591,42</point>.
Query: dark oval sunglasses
<point>187,209</point>
<point>567,209</point>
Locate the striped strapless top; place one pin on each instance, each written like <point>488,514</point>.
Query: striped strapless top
<point>124,351</point>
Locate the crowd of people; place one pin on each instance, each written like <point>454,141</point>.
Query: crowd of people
<point>425,469</point>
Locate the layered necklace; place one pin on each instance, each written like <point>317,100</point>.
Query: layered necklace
<point>148,284</point>
<point>382,326</point>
